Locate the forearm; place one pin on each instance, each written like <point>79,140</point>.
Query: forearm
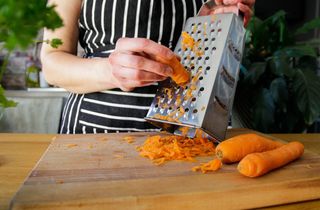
<point>76,74</point>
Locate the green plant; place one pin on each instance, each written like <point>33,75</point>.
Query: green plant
<point>20,22</point>
<point>278,89</point>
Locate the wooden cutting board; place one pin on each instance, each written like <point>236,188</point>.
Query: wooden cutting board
<point>105,172</point>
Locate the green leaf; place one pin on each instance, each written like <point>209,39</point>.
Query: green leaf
<point>313,24</point>
<point>306,86</point>
<point>55,43</point>
<point>279,92</point>
<point>255,72</point>
<point>308,62</point>
<point>264,110</point>
<point>4,102</point>
<point>299,51</point>
<point>20,21</point>
<point>275,17</point>
<point>280,65</point>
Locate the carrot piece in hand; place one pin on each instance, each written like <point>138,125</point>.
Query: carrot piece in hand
<point>235,148</point>
<point>180,75</point>
<point>257,164</point>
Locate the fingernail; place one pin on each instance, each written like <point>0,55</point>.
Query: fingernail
<point>169,70</point>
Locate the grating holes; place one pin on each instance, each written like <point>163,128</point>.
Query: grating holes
<point>186,110</point>
<point>207,68</point>
<point>201,89</point>
<point>193,99</point>
<point>207,58</point>
<point>207,48</point>
<point>218,23</point>
<point>199,32</point>
<point>195,111</point>
<point>219,30</point>
<point>192,67</point>
<point>199,58</point>
<point>156,105</point>
<point>201,78</point>
<point>192,58</point>
<point>213,39</point>
<point>170,108</point>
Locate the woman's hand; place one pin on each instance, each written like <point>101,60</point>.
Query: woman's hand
<point>131,66</point>
<point>227,6</point>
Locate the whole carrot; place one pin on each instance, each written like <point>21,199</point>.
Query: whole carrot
<point>180,75</point>
<point>257,164</point>
<point>235,148</point>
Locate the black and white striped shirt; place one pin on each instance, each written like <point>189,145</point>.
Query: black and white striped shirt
<point>101,24</point>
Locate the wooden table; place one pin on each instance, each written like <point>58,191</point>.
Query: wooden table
<point>20,152</point>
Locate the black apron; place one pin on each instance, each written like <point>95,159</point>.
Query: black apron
<point>101,24</point>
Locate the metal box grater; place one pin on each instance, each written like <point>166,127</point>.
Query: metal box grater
<point>205,103</point>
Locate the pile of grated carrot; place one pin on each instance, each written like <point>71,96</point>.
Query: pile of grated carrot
<point>165,148</point>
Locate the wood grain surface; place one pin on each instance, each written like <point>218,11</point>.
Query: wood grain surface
<point>105,172</point>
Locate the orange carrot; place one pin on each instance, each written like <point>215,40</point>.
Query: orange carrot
<point>257,164</point>
<point>235,148</point>
<point>212,165</point>
<point>161,149</point>
<point>180,75</point>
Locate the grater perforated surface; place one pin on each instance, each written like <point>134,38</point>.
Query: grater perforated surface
<point>205,102</point>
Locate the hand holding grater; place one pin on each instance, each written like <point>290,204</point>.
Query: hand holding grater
<point>205,103</point>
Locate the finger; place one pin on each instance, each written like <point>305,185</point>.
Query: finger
<point>139,62</point>
<point>219,2</point>
<point>225,9</point>
<point>247,13</point>
<point>143,45</point>
<point>249,3</point>
<point>137,75</point>
<point>129,85</point>
<point>204,11</point>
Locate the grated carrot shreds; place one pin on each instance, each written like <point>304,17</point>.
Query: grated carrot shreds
<point>212,165</point>
<point>161,149</point>
<point>184,131</point>
<point>187,41</point>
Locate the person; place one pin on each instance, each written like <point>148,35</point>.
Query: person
<point>113,85</point>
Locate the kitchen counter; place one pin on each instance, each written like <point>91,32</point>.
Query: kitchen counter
<point>20,152</point>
